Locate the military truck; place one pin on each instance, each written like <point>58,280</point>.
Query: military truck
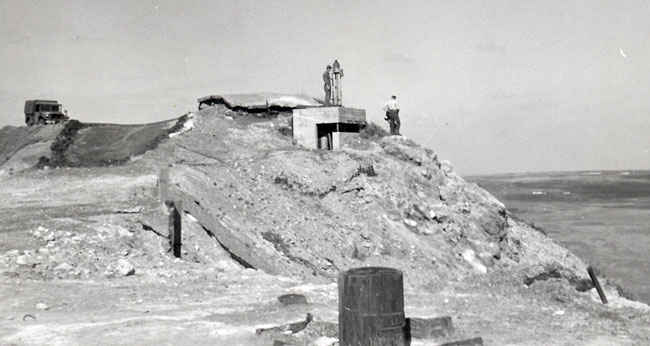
<point>43,112</point>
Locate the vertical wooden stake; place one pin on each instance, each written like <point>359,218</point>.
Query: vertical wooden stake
<point>594,279</point>
<point>174,227</point>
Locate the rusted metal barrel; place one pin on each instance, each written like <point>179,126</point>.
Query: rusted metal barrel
<point>371,307</point>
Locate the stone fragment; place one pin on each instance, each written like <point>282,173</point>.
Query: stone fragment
<point>410,223</point>
<point>63,267</point>
<point>292,298</point>
<point>23,260</point>
<point>470,256</point>
<point>325,341</point>
<point>290,328</point>
<point>124,268</point>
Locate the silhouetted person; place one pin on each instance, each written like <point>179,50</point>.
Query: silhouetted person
<point>392,115</point>
<point>327,84</point>
<point>337,92</point>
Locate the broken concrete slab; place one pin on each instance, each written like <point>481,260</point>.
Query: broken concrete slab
<point>292,298</point>
<point>255,101</point>
<point>245,247</point>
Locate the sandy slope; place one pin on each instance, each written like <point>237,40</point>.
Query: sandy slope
<point>263,217</point>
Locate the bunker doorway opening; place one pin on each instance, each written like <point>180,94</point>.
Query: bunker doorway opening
<point>327,133</point>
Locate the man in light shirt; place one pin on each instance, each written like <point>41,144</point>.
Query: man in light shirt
<point>392,115</point>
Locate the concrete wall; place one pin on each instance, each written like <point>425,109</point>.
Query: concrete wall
<point>306,119</point>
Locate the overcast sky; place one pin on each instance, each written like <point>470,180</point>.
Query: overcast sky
<point>492,86</point>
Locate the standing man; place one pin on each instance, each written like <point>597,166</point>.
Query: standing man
<point>327,84</point>
<point>336,84</point>
<point>392,115</point>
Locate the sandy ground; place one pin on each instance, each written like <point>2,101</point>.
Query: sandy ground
<point>84,255</point>
<point>181,302</point>
<point>226,310</point>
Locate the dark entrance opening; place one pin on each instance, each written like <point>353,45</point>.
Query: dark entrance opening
<point>324,134</point>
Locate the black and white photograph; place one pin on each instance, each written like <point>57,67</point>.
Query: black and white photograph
<point>325,173</point>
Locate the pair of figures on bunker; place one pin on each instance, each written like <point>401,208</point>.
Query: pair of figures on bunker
<point>332,84</point>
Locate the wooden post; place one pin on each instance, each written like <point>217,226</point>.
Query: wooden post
<point>174,227</point>
<point>594,279</point>
<point>371,307</point>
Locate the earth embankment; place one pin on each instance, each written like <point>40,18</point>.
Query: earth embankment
<point>262,216</point>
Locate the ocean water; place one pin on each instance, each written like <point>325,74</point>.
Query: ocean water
<point>603,217</point>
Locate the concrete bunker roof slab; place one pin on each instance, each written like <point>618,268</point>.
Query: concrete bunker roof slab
<point>262,100</point>
<point>329,115</point>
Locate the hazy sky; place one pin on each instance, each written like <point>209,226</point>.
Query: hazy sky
<point>492,86</point>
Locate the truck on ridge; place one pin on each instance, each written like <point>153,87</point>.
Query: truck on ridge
<point>42,112</point>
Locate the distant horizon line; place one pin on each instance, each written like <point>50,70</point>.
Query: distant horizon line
<point>556,172</point>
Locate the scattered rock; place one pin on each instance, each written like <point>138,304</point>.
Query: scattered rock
<point>292,298</point>
<point>410,223</point>
<point>323,328</point>
<point>556,271</point>
<point>63,267</point>
<point>133,210</point>
<point>124,268</point>
<point>49,237</point>
<point>470,256</point>
<point>287,328</point>
<point>325,341</point>
<point>23,260</point>
<point>406,150</point>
